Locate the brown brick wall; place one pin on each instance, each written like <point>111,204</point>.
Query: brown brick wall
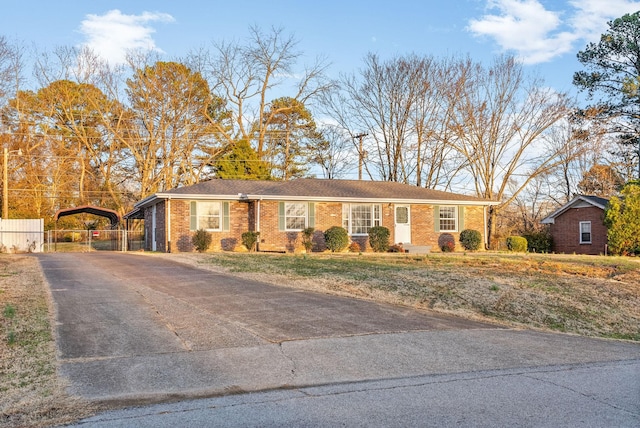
<point>224,240</point>
<point>327,214</point>
<point>160,236</point>
<point>566,231</point>
<point>423,230</point>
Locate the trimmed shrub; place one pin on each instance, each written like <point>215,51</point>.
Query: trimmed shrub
<point>379,239</point>
<point>336,238</point>
<point>517,244</point>
<point>201,240</point>
<point>447,243</point>
<point>307,238</point>
<point>448,247</point>
<point>539,242</point>
<point>249,239</point>
<point>354,247</point>
<point>470,239</point>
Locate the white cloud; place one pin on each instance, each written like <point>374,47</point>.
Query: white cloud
<point>113,34</point>
<point>537,34</point>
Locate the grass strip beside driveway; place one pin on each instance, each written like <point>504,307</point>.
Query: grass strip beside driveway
<point>31,393</point>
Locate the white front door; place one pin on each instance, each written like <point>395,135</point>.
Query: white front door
<point>403,224</point>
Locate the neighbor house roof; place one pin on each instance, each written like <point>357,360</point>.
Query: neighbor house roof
<point>313,189</point>
<point>579,201</point>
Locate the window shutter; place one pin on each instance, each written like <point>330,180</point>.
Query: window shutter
<point>193,214</point>
<point>225,217</point>
<point>460,218</point>
<point>436,217</point>
<point>281,216</point>
<point>312,215</point>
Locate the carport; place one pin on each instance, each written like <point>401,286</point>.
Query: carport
<point>112,238</point>
<point>112,215</point>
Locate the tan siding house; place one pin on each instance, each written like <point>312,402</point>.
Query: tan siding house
<point>280,210</point>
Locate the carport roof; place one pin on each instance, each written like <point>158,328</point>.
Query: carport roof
<point>112,215</point>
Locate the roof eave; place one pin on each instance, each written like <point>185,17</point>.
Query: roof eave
<point>247,197</point>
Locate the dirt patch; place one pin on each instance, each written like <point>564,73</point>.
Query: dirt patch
<point>31,393</point>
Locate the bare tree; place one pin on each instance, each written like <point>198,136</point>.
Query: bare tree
<point>11,69</point>
<point>167,127</point>
<point>500,118</point>
<point>333,152</point>
<point>337,105</point>
<point>382,100</point>
<point>531,205</point>
<point>437,164</point>
<point>580,144</point>
<point>247,76</point>
<point>402,106</point>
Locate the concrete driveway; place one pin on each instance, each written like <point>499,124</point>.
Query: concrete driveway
<point>134,329</point>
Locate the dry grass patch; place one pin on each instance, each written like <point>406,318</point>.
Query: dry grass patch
<point>31,394</point>
<point>587,295</point>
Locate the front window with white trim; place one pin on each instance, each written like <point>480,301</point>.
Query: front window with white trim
<point>209,215</point>
<point>585,232</point>
<point>357,219</point>
<point>295,215</point>
<point>448,219</point>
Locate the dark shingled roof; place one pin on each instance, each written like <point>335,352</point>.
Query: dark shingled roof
<point>319,188</point>
<point>597,200</point>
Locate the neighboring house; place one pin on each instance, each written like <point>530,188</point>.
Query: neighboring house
<point>280,210</point>
<point>578,227</point>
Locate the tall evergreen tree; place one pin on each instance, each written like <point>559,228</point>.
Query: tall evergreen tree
<point>241,162</point>
<point>613,71</point>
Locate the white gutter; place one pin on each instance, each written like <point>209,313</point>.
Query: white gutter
<point>258,217</point>
<point>168,220</point>
<point>484,225</point>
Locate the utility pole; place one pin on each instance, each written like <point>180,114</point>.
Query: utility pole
<point>360,154</point>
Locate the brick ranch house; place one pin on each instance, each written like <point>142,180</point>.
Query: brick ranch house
<point>280,210</point>
<point>578,227</point>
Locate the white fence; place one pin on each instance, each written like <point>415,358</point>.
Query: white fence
<point>22,235</point>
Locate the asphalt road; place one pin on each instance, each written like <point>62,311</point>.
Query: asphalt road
<point>134,329</point>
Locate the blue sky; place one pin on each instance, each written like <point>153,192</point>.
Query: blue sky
<point>545,34</point>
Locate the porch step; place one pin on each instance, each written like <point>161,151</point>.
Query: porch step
<point>417,249</point>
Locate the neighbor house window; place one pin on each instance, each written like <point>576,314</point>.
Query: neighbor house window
<point>448,219</point>
<point>359,218</point>
<point>295,216</point>
<point>209,215</point>
<point>585,232</point>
